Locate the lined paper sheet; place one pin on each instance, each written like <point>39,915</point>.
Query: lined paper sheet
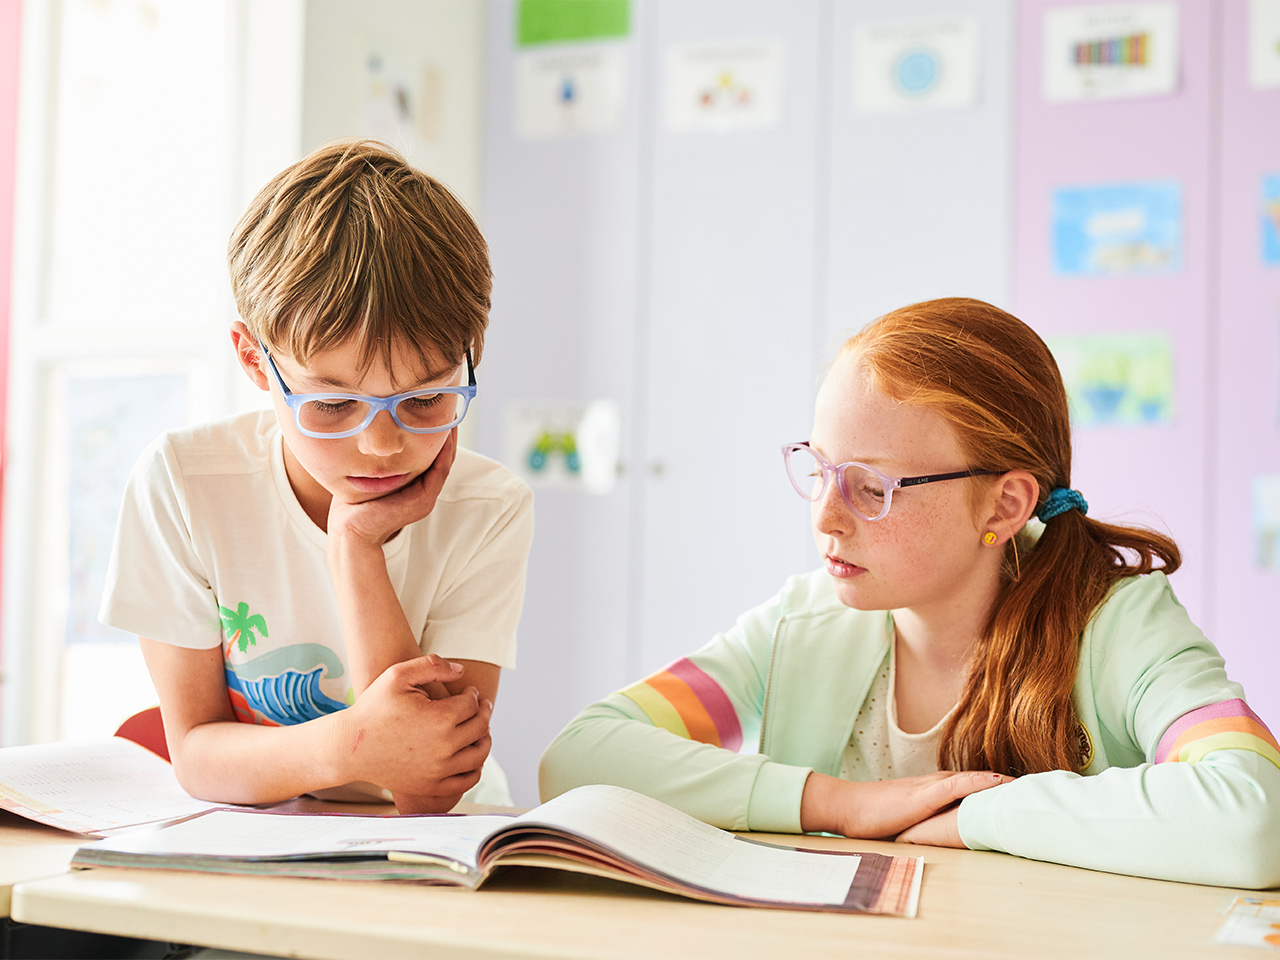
<point>92,786</point>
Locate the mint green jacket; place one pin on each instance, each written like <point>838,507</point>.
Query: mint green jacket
<point>1183,781</point>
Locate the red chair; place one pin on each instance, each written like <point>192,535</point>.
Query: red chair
<point>147,729</point>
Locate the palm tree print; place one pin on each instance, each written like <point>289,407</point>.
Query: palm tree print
<point>239,626</point>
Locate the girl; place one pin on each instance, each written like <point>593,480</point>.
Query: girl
<point>968,616</point>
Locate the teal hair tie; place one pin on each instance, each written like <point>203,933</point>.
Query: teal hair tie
<point>1060,500</point>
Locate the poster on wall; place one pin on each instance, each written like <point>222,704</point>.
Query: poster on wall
<point>723,87</point>
<point>570,68</point>
<point>1110,51</point>
<point>1117,379</point>
<point>915,65</point>
<point>1264,43</point>
<point>402,103</point>
<point>552,444</point>
<point>569,91</point>
<point>1271,218</point>
<point>1118,229</point>
<point>1266,522</point>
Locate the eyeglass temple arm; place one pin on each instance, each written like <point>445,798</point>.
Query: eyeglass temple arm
<point>933,478</point>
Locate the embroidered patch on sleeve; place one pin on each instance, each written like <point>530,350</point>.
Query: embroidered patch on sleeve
<point>1229,725</point>
<point>684,699</point>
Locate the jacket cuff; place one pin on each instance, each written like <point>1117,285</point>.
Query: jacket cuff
<point>775,798</point>
<point>977,821</point>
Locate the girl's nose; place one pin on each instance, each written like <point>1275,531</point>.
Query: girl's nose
<point>831,515</point>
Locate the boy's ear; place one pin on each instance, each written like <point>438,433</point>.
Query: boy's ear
<point>1014,499</point>
<point>249,355</point>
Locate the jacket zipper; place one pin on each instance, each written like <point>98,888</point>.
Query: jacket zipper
<point>768,690</point>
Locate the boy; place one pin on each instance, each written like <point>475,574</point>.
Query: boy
<point>297,576</point>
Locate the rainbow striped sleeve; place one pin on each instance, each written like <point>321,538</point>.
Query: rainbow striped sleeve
<point>685,700</point>
<point>1229,725</point>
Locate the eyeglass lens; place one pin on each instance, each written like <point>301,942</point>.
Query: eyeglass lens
<point>865,492</point>
<point>424,412</point>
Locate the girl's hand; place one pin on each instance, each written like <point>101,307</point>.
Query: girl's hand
<point>427,752</point>
<point>373,522</point>
<point>940,830</point>
<point>885,808</point>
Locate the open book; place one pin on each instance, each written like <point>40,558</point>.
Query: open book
<point>602,830</point>
<point>92,786</point>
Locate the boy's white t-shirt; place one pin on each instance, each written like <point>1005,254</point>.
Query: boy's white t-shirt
<point>213,549</point>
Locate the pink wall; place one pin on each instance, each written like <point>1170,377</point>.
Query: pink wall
<point>1216,136</point>
<point>1086,143</point>
<point>1247,435</point>
<point>10,35</point>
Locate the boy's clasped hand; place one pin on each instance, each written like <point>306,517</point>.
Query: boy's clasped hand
<point>409,734</point>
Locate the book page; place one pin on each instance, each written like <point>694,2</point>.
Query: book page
<point>252,835</point>
<point>92,786</point>
<point>666,841</point>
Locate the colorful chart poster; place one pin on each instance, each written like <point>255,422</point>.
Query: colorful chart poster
<point>723,87</point>
<point>1271,218</point>
<point>1266,524</point>
<point>1118,229</point>
<point>1110,51</point>
<point>915,65</point>
<point>570,90</point>
<point>1117,379</point>
<point>1264,43</point>
<point>561,21</point>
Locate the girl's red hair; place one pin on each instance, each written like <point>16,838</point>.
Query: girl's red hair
<point>997,385</point>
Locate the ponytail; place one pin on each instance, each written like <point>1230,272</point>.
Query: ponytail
<point>1017,714</point>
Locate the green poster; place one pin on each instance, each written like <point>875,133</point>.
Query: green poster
<point>1117,379</point>
<point>553,21</point>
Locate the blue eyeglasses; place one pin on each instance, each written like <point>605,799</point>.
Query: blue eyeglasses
<point>336,415</point>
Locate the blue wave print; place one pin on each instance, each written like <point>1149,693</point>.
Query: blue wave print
<point>289,698</point>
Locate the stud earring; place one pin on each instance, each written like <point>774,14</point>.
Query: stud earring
<point>990,538</point>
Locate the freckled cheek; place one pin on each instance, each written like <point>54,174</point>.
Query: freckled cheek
<point>321,458</point>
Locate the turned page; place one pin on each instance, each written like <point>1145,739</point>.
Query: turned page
<point>666,841</point>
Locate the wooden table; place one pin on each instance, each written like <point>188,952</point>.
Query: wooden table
<point>29,851</point>
<point>972,905</point>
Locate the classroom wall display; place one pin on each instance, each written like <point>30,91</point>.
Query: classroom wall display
<point>1117,379</point>
<point>540,442</point>
<point>1266,522</point>
<point>1126,228</point>
<point>679,273</point>
<point>572,82</point>
<point>911,65</point>
<point>569,91</point>
<point>1110,51</point>
<point>401,102</point>
<point>560,21</point>
<point>1264,43</point>
<point>1144,168</point>
<point>1271,218</point>
<point>563,444</point>
<point>722,87</point>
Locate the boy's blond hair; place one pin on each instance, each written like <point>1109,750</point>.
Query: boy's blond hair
<point>352,242</point>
